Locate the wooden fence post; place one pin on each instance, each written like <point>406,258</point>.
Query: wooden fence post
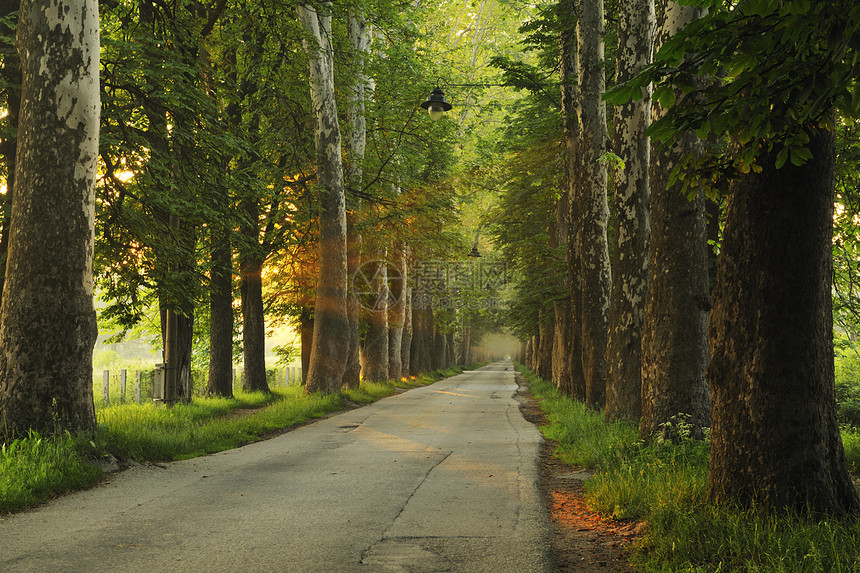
<point>106,386</point>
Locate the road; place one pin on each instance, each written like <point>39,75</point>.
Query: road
<point>439,478</point>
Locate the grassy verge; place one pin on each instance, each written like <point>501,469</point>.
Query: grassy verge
<point>665,485</point>
<point>35,468</point>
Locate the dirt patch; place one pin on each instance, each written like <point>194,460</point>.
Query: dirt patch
<point>582,541</point>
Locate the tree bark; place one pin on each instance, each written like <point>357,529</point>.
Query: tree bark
<point>397,316</point>
<point>253,326</point>
<point>47,321</point>
<point>674,338</point>
<point>547,338</point>
<point>375,348</point>
<point>569,95</point>
<point>306,328</point>
<point>359,40</point>
<point>775,439</point>
<point>11,75</point>
<point>221,318</point>
<point>591,197</point>
<point>331,323</point>
<point>631,224</point>
<point>406,342</point>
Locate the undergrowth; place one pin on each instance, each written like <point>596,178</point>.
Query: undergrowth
<point>35,468</point>
<point>665,484</point>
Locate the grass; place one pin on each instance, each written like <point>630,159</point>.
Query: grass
<point>665,485</point>
<point>36,468</point>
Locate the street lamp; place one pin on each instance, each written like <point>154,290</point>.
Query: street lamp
<point>436,104</point>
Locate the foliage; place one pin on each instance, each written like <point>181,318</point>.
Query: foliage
<point>846,239</point>
<point>758,103</point>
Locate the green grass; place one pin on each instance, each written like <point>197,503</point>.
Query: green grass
<point>35,468</point>
<point>665,485</point>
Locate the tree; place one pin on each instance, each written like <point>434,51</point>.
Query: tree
<point>590,197</point>
<point>771,373</point>
<point>46,371</point>
<point>331,323</point>
<point>631,223</point>
<point>674,338</point>
<point>772,369</point>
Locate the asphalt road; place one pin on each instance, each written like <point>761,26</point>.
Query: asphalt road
<point>440,478</point>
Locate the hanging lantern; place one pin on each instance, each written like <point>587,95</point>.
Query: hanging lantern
<point>436,104</point>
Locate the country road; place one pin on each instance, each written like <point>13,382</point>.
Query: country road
<point>439,478</point>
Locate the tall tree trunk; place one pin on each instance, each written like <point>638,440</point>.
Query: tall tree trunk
<point>631,224</point>
<point>306,328</point>
<point>775,439</point>
<point>359,40</point>
<point>440,348</point>
<point>221,317</point>
<point>561,346</point>
<point>569,95</point>
<point>331,323</point>
<point>406,342</point>
<point>590,196</point>
<point>47,321</point>
<point>11,75</point>
<point>253,326</point>
<point>674,339</point>
<point>397,315</point>
<point>375,348</point>
<point>547,338</point>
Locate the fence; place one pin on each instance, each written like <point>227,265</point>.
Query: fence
<point>136,386</point>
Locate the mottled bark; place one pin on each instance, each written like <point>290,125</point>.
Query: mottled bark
<point>220,317</point>
<point>331,323</point>
<point>47,321</point>
<point>561,307</point>
<point>590,195</point>
<point>775,439</point>
<point>359,40</point>
<point>397,316</point>
<point>569,94</point>
<point>631,224</point>
<point>406,341</point>
<point>674,338</point>
<point>375,347</point>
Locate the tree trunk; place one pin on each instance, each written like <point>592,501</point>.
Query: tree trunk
<point>569,95</point>
<point>440,349</point>
<point>359,40</point>
<point>375,346</point>
<point>775,439</point>
<point>11,75</point>
<point>397,317</point>
<point>221,318</point>
<point>47,321</point>
<point>593,210</point>
<point>561,308</point>
<point>631,225</point>
<point>547,338</point>
<point>253,326</point>
<point>406,342</point>
<point>674,338</point>
<point>331,323</point>
<point>306,327</point>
